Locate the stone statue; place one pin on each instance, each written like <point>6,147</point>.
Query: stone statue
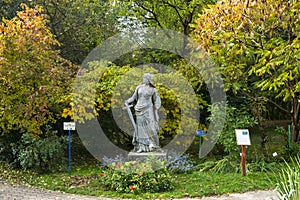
<point>146,96</point>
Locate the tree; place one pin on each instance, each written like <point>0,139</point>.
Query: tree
<point>158,14</point>
<point>9,8</point>
<point>33,77</point>
<point>78,25</point>
<point>175,15</point>
<point>256,46</point>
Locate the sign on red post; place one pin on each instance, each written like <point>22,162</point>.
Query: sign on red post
<point>243,139</point>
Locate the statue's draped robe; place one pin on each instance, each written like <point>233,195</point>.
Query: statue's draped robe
<point>147,120</point>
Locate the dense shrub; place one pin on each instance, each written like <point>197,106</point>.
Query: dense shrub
<point>293,151</point>
<point>6,143</point>
<point>235,119</point>
<point>41,154</point>
<point>149,175</point>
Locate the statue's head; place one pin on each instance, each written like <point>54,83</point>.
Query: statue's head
<point>148,79</point>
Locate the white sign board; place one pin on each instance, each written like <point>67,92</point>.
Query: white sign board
<point>69,126</point>
<point>242,137</point>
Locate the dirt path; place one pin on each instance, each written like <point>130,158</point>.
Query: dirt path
<point>253,195</point>
<point>12,192</point>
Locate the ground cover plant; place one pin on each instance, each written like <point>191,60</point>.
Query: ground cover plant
<point>188,175</point>
<point>86,179</point>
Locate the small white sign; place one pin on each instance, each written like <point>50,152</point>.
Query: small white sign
<point>242,137</point>
<point>69,126</point>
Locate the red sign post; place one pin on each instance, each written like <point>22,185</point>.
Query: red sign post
<point>243,139</point>
<point>243,160</point>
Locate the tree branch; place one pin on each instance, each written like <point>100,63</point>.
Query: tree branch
<point>176,10</point>
<point>278,106</point>
<point>267,99</point>
<point>155,18</point>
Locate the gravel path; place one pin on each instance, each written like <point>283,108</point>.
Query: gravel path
<point>12,192</point>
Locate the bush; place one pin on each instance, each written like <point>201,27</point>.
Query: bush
<point>235,119</point>
<point>288,183</point>
<point>293,151</point>
<point>44,154</point>
<point>261,166</point>
<point>149,175</point>
<point>6,143</point>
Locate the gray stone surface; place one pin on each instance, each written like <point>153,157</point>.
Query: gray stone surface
<point>134,155</point>
<point>252,195</point>
<point>13,192</point>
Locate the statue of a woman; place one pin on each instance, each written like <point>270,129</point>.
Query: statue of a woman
<point>147,121</point>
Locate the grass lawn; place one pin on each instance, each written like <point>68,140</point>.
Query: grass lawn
<point>85,180</point>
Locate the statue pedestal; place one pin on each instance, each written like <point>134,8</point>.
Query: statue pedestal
<point>143,155</point>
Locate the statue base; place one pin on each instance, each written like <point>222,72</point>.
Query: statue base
<point>144,155</point>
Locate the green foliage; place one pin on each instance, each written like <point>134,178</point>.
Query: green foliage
<point>222,166</point>
<point>193,185</point>
<point>9,8</point>
<point>6,142</point>
<point>244,43</point>
<point>228,164</point>
<point>235,119</point>
<point>41,155</point>
<point>288,182</point>
<point>101,89</point>
<point>79,25</point>
<point>261,166</point>
<point>94,90</point>
<point>256,47</point>
<point>150,175</point>
<point>175,15</point>
<point>225,165</point>
<point>293,151</point>
<point>33,76</point>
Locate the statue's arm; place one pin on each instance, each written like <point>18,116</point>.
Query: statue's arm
<point>133,97</point>
<point>156,99</point>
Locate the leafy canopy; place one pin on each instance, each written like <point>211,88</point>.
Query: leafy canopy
<point>33,76</point>
<point>256,46</point>
<point>254,38</point>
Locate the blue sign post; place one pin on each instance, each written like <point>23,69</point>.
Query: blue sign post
<point>200,134</point>
<point>69,152</point>
<point>69,126</point>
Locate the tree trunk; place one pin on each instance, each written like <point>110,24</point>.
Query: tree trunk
<point>295,119</point>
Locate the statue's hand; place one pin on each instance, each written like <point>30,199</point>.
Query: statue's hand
<point>126,102</point>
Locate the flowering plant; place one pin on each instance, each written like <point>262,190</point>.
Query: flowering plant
<point>178,163</point>
<point>149,175</point>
